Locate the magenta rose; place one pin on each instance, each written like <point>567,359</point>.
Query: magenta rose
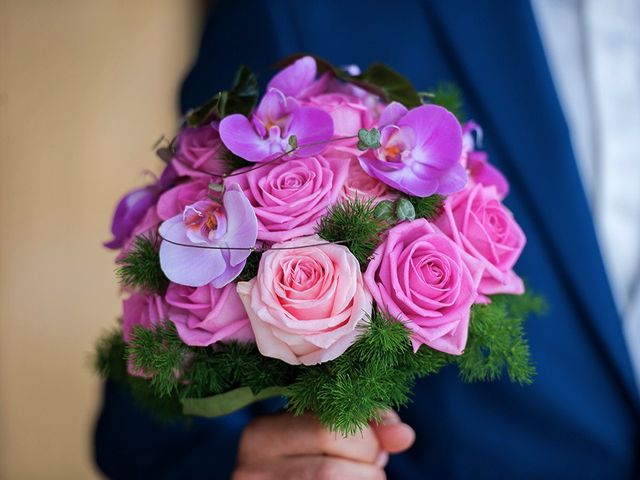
<point>174,201</point>
<point>423,279</point>
<point>144,309</point>
<point>348,113</point>
<point>306,301</point>
<point>200,152</point>
<point>206,315</point>
<point>478,222</point>
<point>290,196</point>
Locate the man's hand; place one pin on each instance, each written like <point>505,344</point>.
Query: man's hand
<point>285,447</point>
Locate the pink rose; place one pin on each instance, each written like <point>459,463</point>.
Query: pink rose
<point>362,186</point>
<point>290,196</point>
<point>144,309</point>
<point>174,201</point>
<point>423,279</point>
<point>478,222</point>
<point>348,113</point>
<point>305,303</point>
<point>200,152</point>
<point>206,315</point>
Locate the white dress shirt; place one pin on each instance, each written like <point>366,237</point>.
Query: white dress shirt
<point>593,50</point>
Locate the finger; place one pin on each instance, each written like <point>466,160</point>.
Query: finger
<point>393,435</point>
<point>287,435</point>
<point>310,467</point>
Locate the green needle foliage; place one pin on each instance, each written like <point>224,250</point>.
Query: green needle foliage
<point>353,224</point>
<point>250,269</point>
<point>377,372</point>
<point>140,268</point>
<point>427,207</point>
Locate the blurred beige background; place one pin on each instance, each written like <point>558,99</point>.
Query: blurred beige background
<point>86,88</point>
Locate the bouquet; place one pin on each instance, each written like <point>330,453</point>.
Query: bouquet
<point>330,243</point>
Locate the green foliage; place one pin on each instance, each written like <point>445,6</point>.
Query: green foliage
<point>240,99</point>
<point>140,268</point>
<point>427,207</point>
<point>353,224</point>
<point>250,269</point>
<point>109,355</point>
<point>449,96</point>
<point>368,138</point>
<point>346,393</point>
<point>405,210</point>
<point>496,340</point>
<point>377,372</point>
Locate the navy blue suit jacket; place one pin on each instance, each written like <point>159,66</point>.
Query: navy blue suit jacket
<point>580,419</point>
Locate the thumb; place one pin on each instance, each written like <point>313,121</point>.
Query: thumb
<point>393,435</point>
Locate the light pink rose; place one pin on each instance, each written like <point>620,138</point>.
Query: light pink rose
<point>422,278</point>
<point>362,186</point>
<point>348,112</point>
<point>206,315</point>
<point>291,195</point>
<point>477,221</point>
<point>306,301</point>
<point>144,309</point>
<point>173,201</point>
<point>200,152</point>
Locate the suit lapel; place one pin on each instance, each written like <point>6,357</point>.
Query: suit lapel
<point>496,54</point>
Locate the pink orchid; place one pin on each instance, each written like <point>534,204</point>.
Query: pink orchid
<point>193,249</point>
<point>477,161</point>
<point>279,117</point>
<point>419,152</point>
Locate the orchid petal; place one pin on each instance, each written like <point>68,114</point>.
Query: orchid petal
<point>392,113</point>
<point>311,126</point>
<point>240,137</point>
<point>453,180</point>
<point>438,136</point>
<point>242,224</point>
<point>293,79</point>
<point>187,265</point>
<point>274,106</point>
<point>129,212</point>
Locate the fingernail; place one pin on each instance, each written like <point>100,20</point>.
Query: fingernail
<point>382,459</point>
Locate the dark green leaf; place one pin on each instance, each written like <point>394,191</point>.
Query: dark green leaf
<point>240,99</point>
<point>392,85</point>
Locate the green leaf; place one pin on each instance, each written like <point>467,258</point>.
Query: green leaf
<point>240,99</point>
<point>243,95</point>
<point>392,85</point>
<point>227,402</point>
<point>405,210</point>
<point>293,142</point>
<point>368,138</point>
<point>384,211</point>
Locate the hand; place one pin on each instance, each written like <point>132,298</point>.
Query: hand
<point>285,447</point>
